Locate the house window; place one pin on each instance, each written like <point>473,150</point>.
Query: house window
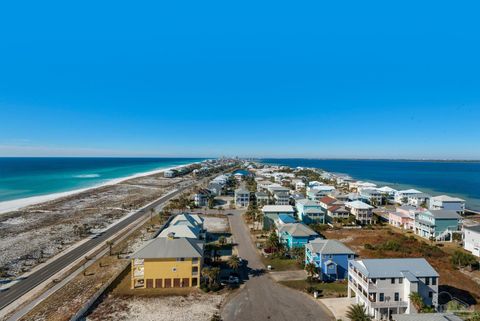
<point>180,259</point>
<point>434,281</point>
<point>397,296</point>
<point>381,297</point>
<point>400,280</point>
<point>427,281</point>
<point>374,281</point>
<point>392,280</point>
<point>430,294</point>
<point>195,260</point>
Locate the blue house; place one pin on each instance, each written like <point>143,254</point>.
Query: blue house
<point>330,257</point>
<point>309,211</point>
<point>295,235</point>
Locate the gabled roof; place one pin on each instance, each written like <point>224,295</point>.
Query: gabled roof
<point>187,219</point>
<point>389,268</point>
<point>328,247</point>
<point>387,189</point>
<point>164,247</point>
<point>311,210</point>
<point>409,191</point>
<point>444,214</point>
<point>278,209</point>
<point>241,191</point>
<point>328,200</point>
<point>358,205</point>
<point>181,231</point>
<point>285,218</point>
<point>307,202</point>
<point>337,208</point>
<point>297,230</point>
<point>446,198</point>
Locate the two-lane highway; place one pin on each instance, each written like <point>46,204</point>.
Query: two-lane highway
<point>24,286</point>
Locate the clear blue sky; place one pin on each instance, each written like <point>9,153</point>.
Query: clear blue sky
<point>354,79</point>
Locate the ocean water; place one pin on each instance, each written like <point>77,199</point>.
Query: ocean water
<point>455,178</point>
<point>24,177</point>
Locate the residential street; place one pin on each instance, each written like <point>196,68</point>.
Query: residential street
<point>261,298</point>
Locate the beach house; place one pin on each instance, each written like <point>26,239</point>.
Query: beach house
<point>403,217</point>
<point>201,197</point>
<point>271,213</point>
<point>401,197</point>
<point>471,239</point>
<point>186,231</point>
<point>437,224</point>
<point>170,173</point>
<point>242,197</point>
<point>383,286</point>
<point>337,213</point>
<point>309,211</point>
<point>388,192</point>
<point>362,211</point>
<point>281,197</point>
<point>261,198</point>
<point>167,262</point>
<point>330,257</point>
<point>193,220</point>
<point>295,235</point>
<point>419,200</point>
<point>317,192</point>
<point>371,196</point>
<point>445,202</point>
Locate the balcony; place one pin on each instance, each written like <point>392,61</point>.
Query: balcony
<point>389,304</point>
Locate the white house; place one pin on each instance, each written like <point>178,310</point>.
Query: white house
<point>388,191</point>
<point>371,195</point>
<point>471,239</point>
<point>281,197</point>
<point>299,185</point>
<point>242,197</point>
<point>361,211</point>
<point>170,173</point>
<point>401,197</point>
<point>445,202</point>
<point>316,193</point>
<point>384,286</point>
<point>418,200</point>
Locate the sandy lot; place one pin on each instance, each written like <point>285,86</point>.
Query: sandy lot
<point>196,306</point>
<point>215,224</point>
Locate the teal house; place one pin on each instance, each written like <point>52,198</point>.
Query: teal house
<point>295,235</point>
<point>437,224</point>
<point>309,211</point>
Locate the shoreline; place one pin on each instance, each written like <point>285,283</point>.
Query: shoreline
<point>15,205</point>
<point>428,190</point>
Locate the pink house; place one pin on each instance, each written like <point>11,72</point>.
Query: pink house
<point>404,217</point>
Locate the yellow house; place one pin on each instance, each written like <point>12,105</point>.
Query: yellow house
<point>167,262</point>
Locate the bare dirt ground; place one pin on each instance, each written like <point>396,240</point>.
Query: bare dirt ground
<point>32,235</point>
<point>195,306</point>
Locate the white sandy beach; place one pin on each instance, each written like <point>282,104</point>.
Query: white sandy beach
<point>13,205</point>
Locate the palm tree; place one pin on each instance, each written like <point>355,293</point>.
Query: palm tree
<point>222,240</point>
<point>357,312</point>
<point>215,273</point>
<point>417,300</point>
<point>234,262</point>
<point>311,269</point>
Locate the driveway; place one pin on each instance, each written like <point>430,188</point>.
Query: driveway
<point>261,298</point>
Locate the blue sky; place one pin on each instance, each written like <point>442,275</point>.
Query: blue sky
<point>355,79</point>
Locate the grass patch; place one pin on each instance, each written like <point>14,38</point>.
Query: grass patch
<point>327,290</point>
<point>279,264</point>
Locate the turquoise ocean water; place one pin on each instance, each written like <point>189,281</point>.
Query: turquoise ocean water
<point>25,177</point>
<point>455,178</point>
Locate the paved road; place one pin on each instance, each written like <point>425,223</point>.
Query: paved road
<point>261,298</point>
<point>24,286</point>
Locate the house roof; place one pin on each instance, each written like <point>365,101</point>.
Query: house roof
<point>328,247</point>
<point>409,191</point>
<point>297,229</point>
<point>337,208</point>
<point>181,231</point>
<point>311,210</point>
<point>307,202</point>
<point>387,189</point>
<point>359,205</point>
<point>322,188</point>
<point>426,317</point>
<point>285,218</point>
<point>387,268</point>
<point>328,200</point>
<point>164,247</point>
<point>445,214</point>
<point>261,194</point>
<point>192,219</point>
<point>446,198</point>
<point>241,191</point>
<point>278,208</point>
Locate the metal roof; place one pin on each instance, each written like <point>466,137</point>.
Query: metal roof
<point>328,247</point>
<point>426,317</point>
<point>297,229</point>
<point>389,268</point>
<point>164,247</point>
